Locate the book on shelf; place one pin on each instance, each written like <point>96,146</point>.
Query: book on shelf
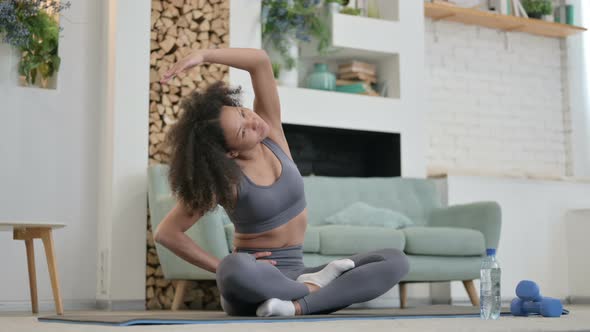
<point>358,66</point>
<point>364,71</point>
<point>358,76</point>
<point>359,87</point>
<point>347,82</point>
<point>371,93</point>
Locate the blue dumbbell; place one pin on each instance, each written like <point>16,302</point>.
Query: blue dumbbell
<point>547,307</point>
<point>529,291</point>
<point>531,301</point>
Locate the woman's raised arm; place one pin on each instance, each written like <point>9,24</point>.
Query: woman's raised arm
<point>256,62</point>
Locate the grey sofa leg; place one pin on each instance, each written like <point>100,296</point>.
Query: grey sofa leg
<point>470,288</point>
<point>403,295</point>
<point>180,290</point>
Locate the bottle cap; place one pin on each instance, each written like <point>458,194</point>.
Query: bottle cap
<point>491,251</point>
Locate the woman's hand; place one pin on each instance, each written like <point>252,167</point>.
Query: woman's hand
<point>261,254</point>
<point>184,64</point>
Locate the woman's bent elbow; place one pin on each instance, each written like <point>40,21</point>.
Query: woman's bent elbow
<point>160,237</point>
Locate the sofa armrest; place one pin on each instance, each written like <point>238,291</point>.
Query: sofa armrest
<point>482,216</point>
<point>209,233</point>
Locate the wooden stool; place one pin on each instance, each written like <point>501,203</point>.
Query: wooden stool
<point>28,231</point>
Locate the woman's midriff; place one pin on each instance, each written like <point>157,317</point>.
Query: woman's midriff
<point>289,234</point>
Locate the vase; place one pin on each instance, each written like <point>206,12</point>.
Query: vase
<point>321,78</point>
<point>289,77</point>
<point>333,8</point>
<point>286,77</point>
<point>8,62</point>
<point>373,9</point>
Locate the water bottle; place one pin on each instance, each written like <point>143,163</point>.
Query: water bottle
<point>489,301</point>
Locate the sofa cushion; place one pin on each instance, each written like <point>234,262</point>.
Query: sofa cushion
<point>363,214</point>
<point>444,241</point>
<point>311,243</point>
<point>351,240</point>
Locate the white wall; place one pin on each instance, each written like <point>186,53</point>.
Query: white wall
<point>496,101</point>
<point>533,242</point>
<point>123,152</point>
<point>578,93</point>
<point>49,164</point>
<point>577,228</point>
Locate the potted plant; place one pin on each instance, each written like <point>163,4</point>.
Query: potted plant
<point>537,8</point>
<point>285,23</point>
<point>28,25</point>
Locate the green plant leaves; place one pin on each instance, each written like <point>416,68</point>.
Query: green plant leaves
<point>539,7</point>
<point>40,54</point>
<point>301,19</point>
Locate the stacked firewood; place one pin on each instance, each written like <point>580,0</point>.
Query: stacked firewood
<point>177,28</point>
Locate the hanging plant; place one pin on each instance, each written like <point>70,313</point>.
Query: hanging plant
<point>29,26</point>
<point>301,19</point>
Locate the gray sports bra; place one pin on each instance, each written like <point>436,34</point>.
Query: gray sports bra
<point>262,208</point>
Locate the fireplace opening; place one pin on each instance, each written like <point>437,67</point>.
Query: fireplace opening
<point>344,152</point>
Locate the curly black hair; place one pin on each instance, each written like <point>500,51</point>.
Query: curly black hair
<point>200,174</point>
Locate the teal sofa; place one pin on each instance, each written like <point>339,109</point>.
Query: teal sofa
<point>444,244</point>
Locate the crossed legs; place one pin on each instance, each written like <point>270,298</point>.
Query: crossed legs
<point>245,283</point>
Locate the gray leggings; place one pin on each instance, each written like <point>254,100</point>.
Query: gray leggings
<point>245,282</point>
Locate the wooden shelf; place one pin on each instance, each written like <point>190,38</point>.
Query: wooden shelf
<point>500,22</point>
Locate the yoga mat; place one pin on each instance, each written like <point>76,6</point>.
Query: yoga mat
<point>154,317</point>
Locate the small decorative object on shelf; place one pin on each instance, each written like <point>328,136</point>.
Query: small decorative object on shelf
<point>321,78</point>
<point>508,7</point>
<point>333,6</point>
<point>285,23</point>
<point>502,7</point>
<point>537,8</point>
<point>368,8</point>
<point>357,77</point>
<point>350,7</point>
<point>373,9</point>
<point>31,27</point>
<point>564,14</point>
<point>518,9</point>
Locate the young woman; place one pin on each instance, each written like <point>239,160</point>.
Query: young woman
<point>223,153</point>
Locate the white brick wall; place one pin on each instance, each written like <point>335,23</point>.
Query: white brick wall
<point>567,121</point>
<point>495,101</point>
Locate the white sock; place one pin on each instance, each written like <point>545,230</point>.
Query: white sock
<point>325,276</point>
<point>275,307</point>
